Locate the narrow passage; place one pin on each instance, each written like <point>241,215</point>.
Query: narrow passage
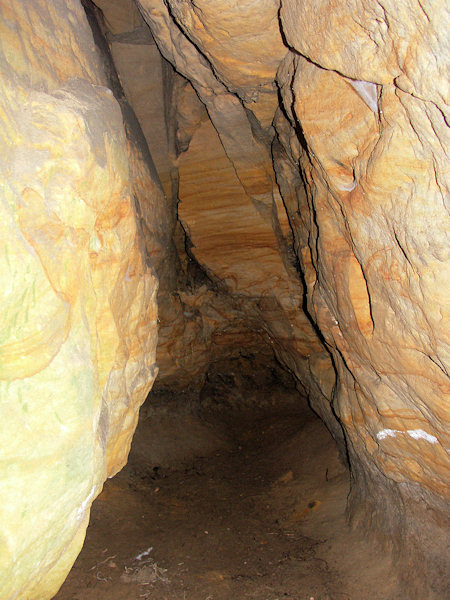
<point>250,505</point>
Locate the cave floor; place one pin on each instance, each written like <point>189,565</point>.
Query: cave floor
<point>261,516</point>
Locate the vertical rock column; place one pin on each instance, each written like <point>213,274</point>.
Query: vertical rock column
<point>78,327</point>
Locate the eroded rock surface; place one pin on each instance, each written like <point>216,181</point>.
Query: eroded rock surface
<point>360,160</point>
<point>78,299</point>
<point>304,149</point>
<point>376,258</point>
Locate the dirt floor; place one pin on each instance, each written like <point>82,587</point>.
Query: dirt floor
<point>249,506</point>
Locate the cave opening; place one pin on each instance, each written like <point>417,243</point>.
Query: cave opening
<point>222,351</point>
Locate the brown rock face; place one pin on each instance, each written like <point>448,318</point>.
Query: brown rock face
<point>294,204</point>
<point>376,251</point>
<point>360,163</point>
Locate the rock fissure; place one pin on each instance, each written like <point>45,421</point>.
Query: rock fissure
<point>222,209</point>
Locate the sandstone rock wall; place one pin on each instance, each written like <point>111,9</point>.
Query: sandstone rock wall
<point>194,317</point>
<point>372,156</point>
<point>360,161</point>
<point>78,329</point>
<point>230,205</point>
<point>303,147</point>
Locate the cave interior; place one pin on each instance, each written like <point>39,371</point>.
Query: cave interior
<point>232,217</point>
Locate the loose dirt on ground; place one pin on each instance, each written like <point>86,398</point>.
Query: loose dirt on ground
<point>251,506</point>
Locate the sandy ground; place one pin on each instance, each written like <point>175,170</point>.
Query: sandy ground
<point>249,508</point>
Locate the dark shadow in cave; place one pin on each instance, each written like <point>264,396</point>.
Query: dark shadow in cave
<point>234,492</point>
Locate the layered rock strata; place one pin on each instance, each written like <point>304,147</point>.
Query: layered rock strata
<point>360,160</point>
<point>230,205</point>
<point>303,148</point>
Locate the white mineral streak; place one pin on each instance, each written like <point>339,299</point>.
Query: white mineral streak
<point>381,435</point>
<point>420,434</point>
<point>348,187</point>
<point>417,434</point>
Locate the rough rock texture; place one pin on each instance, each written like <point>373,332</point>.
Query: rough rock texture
<point>195,318</point>
<point>360,160</point>
<point>303,146</point>
<point>78,330</point>
<point>376,253</point>
<point>230,205</point>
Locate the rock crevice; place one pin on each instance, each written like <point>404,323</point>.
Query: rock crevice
<point>184,182</point>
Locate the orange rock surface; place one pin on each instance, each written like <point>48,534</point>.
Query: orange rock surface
<point>360,156</point>
<point>295,204</point>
